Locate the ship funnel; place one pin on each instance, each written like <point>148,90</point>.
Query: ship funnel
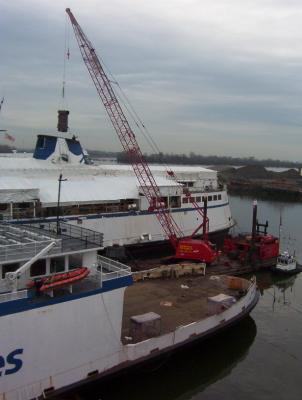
<point>63,120</point>
<point>254,225</point>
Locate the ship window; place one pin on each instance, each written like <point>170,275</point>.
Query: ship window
<point>192,199</point>
<point>75,261</point>
<point>185,200</point>
<point>24,205</point>
<point>57,264</point>
<point>50,211</point>
<point>41,142</point>
<point>209,198</point>
<point>219,197</point>
<point>174,201</point>
<point>190,184</point>
<point>38,268</point>
<point>3,207</point>
<point>204,198</point>
<point>198,199</point>
<point>9,268</point>
<point>215,197</point>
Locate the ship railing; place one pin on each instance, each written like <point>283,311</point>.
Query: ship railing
<point>67,231</point>
<point>111,269</point>
<point>205,189</point>
<point>84,234</point>
<point>22,251</point>
<point>10,296</point>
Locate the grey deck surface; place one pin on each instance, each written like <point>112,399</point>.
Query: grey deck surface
<point>176,306</point>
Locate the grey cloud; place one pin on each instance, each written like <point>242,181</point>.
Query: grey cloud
<point>211,82</point>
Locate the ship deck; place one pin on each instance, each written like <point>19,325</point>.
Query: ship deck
<point>178,301</point>
<point>22,242</point>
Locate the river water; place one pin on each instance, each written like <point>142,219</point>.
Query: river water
<point>260,358</point>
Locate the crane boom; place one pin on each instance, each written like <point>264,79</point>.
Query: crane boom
<point>185,248</point>
<point>127,137</point>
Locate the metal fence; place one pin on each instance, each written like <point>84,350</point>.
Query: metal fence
<point>23,251</point>
<point>111,269</point>
<point>25,241</point>
<point>67,231</point>
<point>21,294</point>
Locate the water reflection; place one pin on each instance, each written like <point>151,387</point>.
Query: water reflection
<point>183,374</point>
<point>267,279</point>
<point>280,288</point>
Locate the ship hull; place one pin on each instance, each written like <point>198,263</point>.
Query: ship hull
<point>156,356</point>
<point>70,343</point>
<point>287,272</point>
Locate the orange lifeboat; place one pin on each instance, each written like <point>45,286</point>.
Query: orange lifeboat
<point>62,279</point>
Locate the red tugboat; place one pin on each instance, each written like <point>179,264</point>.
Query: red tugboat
<point>259,249</point>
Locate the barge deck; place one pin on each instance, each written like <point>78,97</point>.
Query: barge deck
<point>178,302</point>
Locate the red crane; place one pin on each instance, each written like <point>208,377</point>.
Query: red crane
<point>187,248</point>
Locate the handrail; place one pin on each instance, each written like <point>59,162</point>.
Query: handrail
<point>10,296</point>
<point>111,269</point>
<point>69,231</point>
<point>22,250</point>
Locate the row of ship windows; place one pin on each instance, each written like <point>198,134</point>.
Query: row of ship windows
<point>198,199</point>
<point>38,268</point>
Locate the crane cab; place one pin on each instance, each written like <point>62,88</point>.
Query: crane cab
<point>196,249</point>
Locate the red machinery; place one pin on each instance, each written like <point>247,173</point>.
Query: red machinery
<point>186,248</point>
<point>258,248</point>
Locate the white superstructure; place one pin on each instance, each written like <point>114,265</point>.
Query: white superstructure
<point>286,263</point>
<point>105,198</point>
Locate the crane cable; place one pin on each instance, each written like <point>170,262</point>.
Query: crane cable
<point>145,132</point>
<point>134,115</point>
<point>65,57</point>
<point>130,109</point>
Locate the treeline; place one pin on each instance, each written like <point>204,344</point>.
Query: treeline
<point>101,153</point>
<point>184,159</point>
<point>196,159</point>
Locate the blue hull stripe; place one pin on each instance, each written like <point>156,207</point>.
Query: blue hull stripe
<point>22,305</point>
<point>108,215</point>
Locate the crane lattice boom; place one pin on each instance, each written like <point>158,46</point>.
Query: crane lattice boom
<point>127,137</point>
<point>187,248</point>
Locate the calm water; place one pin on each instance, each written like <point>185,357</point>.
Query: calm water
<point>261,358</point>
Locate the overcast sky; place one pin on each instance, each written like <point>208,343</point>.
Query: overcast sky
<point>213,77</point>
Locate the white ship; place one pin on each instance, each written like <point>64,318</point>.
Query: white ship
<point>287,264</point>
<point>105,198</point>
<point>58,332</point>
